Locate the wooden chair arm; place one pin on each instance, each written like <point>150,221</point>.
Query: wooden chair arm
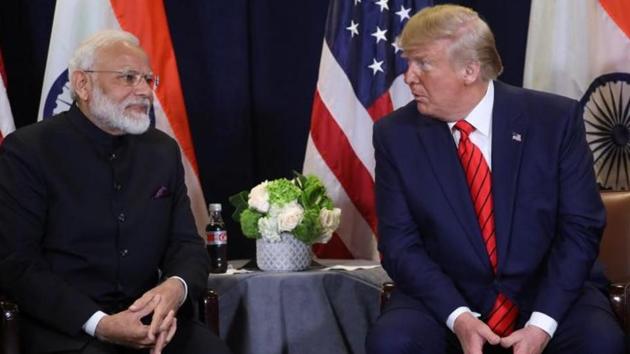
<point>619,293</point>
<point>210,310</point>
<point>9,332</point>
<point>386,293</point>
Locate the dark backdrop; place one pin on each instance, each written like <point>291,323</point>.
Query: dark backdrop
<point>248,70</point>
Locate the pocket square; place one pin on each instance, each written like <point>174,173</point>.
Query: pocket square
<point>161,192</point>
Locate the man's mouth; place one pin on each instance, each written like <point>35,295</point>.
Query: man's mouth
<point>420,98</point>
<point>138,107</point>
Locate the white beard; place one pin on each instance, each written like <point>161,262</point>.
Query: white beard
<point>113,115</point>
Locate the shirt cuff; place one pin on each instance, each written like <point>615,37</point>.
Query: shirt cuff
<point>90,325</point>
<point>450,321</point>
<point>543,322</point>
<point>185,289</point>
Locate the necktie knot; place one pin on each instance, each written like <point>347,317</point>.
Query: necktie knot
<point>464,127</point>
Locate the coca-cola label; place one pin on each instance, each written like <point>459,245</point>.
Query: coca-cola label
<point>216,237</point>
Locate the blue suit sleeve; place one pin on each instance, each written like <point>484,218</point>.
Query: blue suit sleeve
<point>400,241</point>
<point>580,222</point>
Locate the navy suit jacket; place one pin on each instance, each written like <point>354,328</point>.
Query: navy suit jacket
<point>548,212</point>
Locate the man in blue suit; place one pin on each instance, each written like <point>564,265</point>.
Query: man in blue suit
<point>489,215</point>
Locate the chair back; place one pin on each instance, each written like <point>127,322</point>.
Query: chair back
<point>615,246</point>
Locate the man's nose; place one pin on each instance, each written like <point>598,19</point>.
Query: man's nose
<point>410,76</point>
<point>143,88</point>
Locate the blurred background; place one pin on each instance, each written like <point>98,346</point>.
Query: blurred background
<point>248,70</point>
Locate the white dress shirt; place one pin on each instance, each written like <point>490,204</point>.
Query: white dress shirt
<point>481,118</point>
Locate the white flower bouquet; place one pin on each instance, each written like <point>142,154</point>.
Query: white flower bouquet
<point>298,206</point>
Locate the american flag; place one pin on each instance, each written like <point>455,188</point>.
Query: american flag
<point>360,81</point>
<point>6,118</point>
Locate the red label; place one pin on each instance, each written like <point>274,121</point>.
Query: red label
<point>216,237</point>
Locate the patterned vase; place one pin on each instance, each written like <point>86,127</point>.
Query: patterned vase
<point>287,255</point>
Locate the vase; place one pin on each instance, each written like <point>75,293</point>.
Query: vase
<point>287,255</point>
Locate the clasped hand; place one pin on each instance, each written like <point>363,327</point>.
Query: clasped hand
<point>126,328</point>
<point>473,333</point>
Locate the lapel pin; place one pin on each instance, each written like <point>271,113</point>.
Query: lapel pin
<point>516,137</point>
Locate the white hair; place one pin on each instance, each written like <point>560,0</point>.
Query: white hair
<point>84,56</point>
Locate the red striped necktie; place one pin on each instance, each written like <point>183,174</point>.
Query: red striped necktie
<point>504,313</point>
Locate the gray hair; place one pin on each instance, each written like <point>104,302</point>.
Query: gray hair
<point>470,37</point>
<point>84,56</point>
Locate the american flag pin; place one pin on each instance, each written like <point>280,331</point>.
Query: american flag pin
<point>516,137</point>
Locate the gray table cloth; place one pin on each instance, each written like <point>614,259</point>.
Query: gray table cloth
<point>315,311</point>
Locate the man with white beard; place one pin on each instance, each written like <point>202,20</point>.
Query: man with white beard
<point>98,246</point>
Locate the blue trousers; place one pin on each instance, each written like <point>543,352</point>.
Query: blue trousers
<point>590,327</point>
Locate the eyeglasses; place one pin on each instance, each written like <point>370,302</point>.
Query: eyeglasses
<point>131,78</point>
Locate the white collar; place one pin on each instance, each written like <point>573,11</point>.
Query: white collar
<point>481,116</point>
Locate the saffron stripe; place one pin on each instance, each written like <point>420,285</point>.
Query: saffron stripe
<point>619,12</point>
<point>155,38</point>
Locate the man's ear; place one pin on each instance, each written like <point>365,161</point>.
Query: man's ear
<point>471,72</point>
<point>82,84</point>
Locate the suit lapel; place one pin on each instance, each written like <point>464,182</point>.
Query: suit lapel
<point>509,135</point>
<point>439,145</point>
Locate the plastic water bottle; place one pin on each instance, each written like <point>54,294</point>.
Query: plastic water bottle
<point>216,240</point>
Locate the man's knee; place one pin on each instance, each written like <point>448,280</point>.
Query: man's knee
<point>384,339</point>
<point>592,331</point>
<point>407,331</point>
<point>195,338</point>
<point>609,339</point>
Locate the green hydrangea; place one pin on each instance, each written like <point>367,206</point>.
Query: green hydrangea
<point>309,229</point>
<point>249,223</point>
<point>314,193</point>
<point>282,191</point>
<point>310,194</point>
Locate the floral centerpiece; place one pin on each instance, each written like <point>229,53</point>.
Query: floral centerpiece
<point>286,216</point>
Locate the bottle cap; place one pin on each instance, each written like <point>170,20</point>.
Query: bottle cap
<point>214,206</point>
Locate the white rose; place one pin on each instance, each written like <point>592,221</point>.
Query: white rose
<point>259,198</point>
<point>274,210</point>
<point>329,219</point>
<point>268,228</point>
<point>325,237</point>
<point>290,216</point>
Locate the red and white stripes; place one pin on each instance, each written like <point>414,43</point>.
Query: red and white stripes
<point>6,118</point>
<point>340,152</point>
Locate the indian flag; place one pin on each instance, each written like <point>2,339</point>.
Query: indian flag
<point>571,43</point>
<point>581,49</point>
<point>75,20</point>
